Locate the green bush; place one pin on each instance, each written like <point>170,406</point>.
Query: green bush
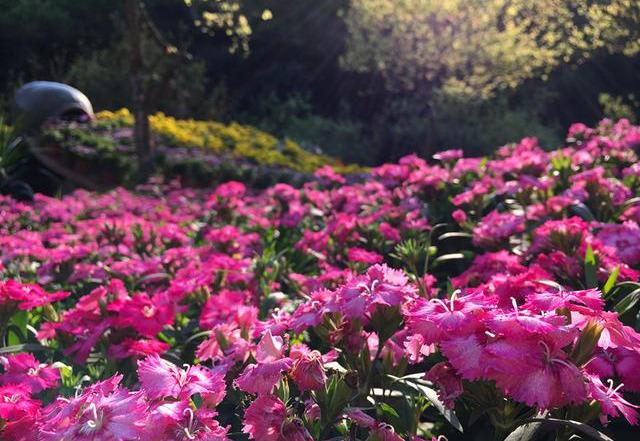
<point>293,118</point>
<point>617,107</point>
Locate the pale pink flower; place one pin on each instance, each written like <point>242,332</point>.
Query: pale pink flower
<point>264,418</point>
<point>381,286</point>
<point>261,378</point>
<point>94,416</point>
<point>160,379</point>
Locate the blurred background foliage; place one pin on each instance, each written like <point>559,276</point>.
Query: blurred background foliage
<point>363,80</point>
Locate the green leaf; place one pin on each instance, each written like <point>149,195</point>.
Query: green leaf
<point>152,278</point>
<point>582,211</point>
<point>590,268</point>
<point>464,255</point>
<point>27,347</point>
<point>196,336</point>
<point>551,284</point>
<point>629,202</point>
<point>529,432</point>
<point>628,302</point>
<point>611,281</point>
<point>332,399</point>
<point>455,235</point>
<point>537,427</point>
<point>432,396</point>
<point>388,410</point>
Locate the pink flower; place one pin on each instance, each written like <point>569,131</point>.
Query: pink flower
<point>16,403</point>
<point>627,367</point>
<point>459,216</point>
<point>535,373</point>
<point>270,348</point>
<point>416,349</point>
<point>495,228</point>
<point>384,432</point>
<point>25,370</point>
<point>264,418</point>
<point>466,355</point>
<point>389,232</point>
<point>327,175</point>
<point>625,239</point>
<point>356,254</point>
<point>612,404</point>
<point>584,300</point>
<point>380,286</point>
<point>308,369</point>
<point>436,318</point>
<point>147,315</point>
<point>137,348</point>
<point>261,378</point>
<point>360,417</point>
<point>448,155</point>
<point>310,314</point>
<point>565,235</point>
<point>177,421</point>
<point>487,265</point>
<point>231,189</point>
<point>27,296</point>
<point>294,430</point>
<point>448,382</point>
<point>160,379</point>
<point>95,415</point>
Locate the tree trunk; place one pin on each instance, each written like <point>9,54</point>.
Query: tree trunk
<point>142,132</point>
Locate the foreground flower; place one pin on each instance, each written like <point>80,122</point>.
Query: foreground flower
<point>96,415</point>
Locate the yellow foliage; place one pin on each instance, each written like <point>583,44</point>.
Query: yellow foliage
<point>236,139</point>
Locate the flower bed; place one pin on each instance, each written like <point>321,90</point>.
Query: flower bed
<point>101,154</point>
<point>478,296</point>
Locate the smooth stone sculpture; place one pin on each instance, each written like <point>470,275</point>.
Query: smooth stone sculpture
<point>39,100</point>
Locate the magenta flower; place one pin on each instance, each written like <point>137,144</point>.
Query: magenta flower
<point>27,296</point>
<point>16,403</point>
<point>448,382</point>
<point>448,155</point>
<point>177,421</point>
<point>146,315</point>
<point>137,348</point>
<point>25,370</point>
<point>356,254</point>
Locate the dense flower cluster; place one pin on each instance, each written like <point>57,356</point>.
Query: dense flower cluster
<point>431,298</point>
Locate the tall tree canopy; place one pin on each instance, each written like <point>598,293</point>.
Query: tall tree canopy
<point>475,47</point>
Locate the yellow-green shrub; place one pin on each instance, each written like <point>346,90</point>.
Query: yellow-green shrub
<point>234,138</point>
